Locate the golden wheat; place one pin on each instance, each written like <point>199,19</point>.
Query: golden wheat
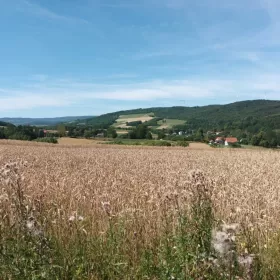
<point>138,181</point>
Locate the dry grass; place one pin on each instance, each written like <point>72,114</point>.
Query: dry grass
<point>141,185</point>
<point>83,177</point>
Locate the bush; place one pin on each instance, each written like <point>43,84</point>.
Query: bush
<point>51,140</point>
<point>182,144</point>
<point>177,137</point>
<point>159,143</point>
<point>244,141</point>
<point>235,145</point>
<point>140,143</point>
<point>123,136</point>
<point>135,123</point>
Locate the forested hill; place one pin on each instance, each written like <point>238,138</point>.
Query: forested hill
<point>242,114</point>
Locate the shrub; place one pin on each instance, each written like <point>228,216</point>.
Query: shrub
<point>182,144</point>
<point>235,145</point>
<point>51,140</point>
<point>135,123</point>
<point>159,143</point>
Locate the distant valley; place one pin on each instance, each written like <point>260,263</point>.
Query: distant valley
<point>43,121</point>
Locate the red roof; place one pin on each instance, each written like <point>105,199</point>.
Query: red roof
<point>231,140</point>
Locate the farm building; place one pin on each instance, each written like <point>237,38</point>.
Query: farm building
<point>219,140</point>
<point>230,141</point>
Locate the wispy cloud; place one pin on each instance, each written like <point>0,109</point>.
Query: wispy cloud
<point>44,12</point>
<point>69,93</point>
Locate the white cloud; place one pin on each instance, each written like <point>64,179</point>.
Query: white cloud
<point>67,94</point>
<point>25,100</point>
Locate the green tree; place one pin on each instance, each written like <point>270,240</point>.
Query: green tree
<point>264,143</point>
<point>2,134</point>
<point>87,134</point>
<point>140,132</point>
<point>149,135</point>
<point>41,133</point>
<point>199,136</point>
<point>112,133</point>
<point>273,143</point>
<point>161,135</point>
<point>255,140</point>
<point>61,130</point>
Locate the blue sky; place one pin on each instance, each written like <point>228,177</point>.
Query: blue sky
<point>90,57</point>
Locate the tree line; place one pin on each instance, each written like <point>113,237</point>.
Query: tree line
<point>26,133</point>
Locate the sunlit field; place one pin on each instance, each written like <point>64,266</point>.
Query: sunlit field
<point>112,212</point>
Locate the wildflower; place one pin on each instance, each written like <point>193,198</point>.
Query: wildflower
<point>80,218</point>
<point>246,261</point>
<point>30,224</point>
<point>71,219</point>
<point>33,227</point>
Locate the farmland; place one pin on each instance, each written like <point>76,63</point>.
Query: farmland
<point>169,123</point>
<point>123,119</point>
<point>106,212</point>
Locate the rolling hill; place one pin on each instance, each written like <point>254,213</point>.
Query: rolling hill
<point>245,113</point>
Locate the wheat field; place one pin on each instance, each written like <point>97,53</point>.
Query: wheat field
<point>247,182</point>
<point>138,186</point>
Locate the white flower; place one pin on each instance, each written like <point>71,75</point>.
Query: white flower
<point>72,219</point>
<point>30,224</point>
<point>80,218</point>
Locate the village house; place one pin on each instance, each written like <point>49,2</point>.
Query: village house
<point>230,141</point>
<point>219,140</point>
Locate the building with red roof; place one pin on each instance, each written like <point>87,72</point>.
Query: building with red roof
<point>230,141</point>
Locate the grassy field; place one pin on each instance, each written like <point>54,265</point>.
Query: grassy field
<point>169,123</point>
<point>135,116</point>
<point>122,120</point>
<point>144,142</point>
<point>113,212</point>
<point>121,132</point>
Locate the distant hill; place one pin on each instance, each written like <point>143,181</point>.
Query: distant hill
<point>43,121</point>
<point>248,113</point>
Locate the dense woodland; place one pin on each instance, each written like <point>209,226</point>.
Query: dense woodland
<point>255,113</point>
